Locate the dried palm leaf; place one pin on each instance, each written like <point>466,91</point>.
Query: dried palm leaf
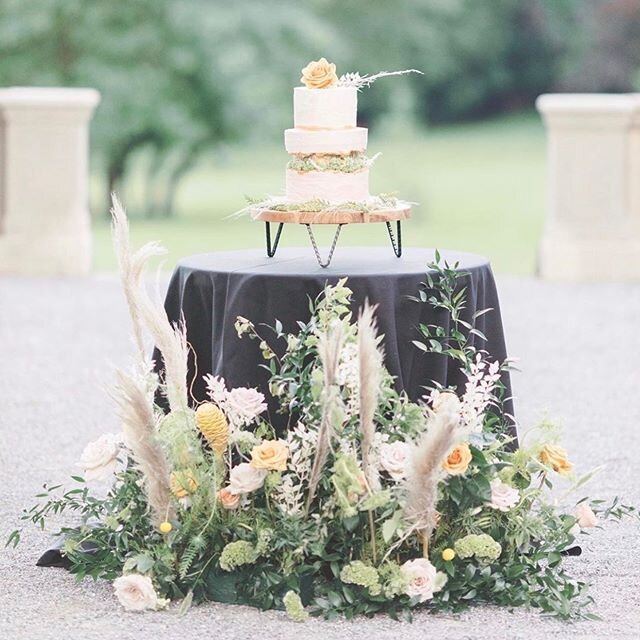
<point>370,365</point>
<point>329,349</point>
<point>135,407</point>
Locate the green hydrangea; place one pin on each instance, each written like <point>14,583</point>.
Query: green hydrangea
<point>265,536</point>
<point>238,553</point>
<point>357,572</point>
<point>393,580</point>
<point>482,546</point>
<point>294,607</point>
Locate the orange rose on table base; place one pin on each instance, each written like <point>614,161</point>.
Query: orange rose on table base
<point>319,74</point>
<point>457,462</point>
<point>271,455</point>
<point>227,499</point>
<point>555,457</point>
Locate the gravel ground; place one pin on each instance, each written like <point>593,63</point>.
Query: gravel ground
<point>59,342</point>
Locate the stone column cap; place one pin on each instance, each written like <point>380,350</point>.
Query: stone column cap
<point>48,98</point>
<point>587,103</point>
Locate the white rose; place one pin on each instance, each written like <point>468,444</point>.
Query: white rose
<point>585,516</point>
<point>246,404</point>
<point>244,478</point>
<point>394,457</point>
<point>136,593</point>
<point>100,458</point>
<point>446,402</point>
<point>503,496</point>
<point>422,579</point>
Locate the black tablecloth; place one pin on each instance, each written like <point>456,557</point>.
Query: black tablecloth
<point>211,290</point>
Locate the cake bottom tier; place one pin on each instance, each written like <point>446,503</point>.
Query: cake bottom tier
<point>331,186</point>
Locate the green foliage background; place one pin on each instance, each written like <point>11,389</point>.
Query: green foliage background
<point>196,93</point>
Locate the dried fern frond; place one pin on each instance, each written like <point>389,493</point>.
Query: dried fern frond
<point>134,401</point>
<point>426,470</point>
<point>370,365</point>
<point>359,82</point>
<point>170,340</point>
<point>329,349</point>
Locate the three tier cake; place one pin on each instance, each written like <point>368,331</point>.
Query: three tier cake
<point>327,178</point>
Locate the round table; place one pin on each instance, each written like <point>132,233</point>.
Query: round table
<point>211,290</point>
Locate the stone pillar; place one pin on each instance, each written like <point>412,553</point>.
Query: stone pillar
<point>593,224</point>
<point>45,226</point>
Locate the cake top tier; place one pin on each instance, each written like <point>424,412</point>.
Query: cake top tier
<point>327,101</point>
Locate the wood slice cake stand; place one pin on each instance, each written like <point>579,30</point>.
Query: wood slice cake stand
<point>339,218</point>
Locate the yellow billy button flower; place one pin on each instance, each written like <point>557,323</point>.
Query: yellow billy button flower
<point>214,426</point>
<point>165,527</point>
<point>448,555</point>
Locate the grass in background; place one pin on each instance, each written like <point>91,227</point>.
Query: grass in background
<point>480,188</point>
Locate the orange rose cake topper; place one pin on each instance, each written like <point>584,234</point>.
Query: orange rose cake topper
<point>319,74</point>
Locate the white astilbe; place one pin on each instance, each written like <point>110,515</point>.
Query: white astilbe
<point>479,393</point>
<point>289,494</point>
<point>170,340</point>
<point>370,367</point>
<point>134,400</point>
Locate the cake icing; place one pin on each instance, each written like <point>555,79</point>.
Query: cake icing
<point>332,186</point>
<point>331,108</point>
<point>340,141</point>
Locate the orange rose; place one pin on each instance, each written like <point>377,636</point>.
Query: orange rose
<point>319,74</point>
<point>457,462</point>
<point>270,455</point>
<point>227,499</point>
<point>555,457</point>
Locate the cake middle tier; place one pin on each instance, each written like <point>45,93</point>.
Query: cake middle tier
<point>333,186</point>
<point>337,141</point>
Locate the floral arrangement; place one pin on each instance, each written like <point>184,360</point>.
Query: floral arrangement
<point>349,163</point>
<point>368,503</point>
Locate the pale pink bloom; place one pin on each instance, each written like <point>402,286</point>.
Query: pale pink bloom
<point>244,478</point>
<point>136,593</point>
<point>100,457</point>
<point>422,579</point>
<point>503,496</point>
<point>585,516</point>
<point>394,458</point>
<point>246,403</point>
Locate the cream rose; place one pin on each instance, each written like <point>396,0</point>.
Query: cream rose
<point>446,402</point>
<point>503,496</point>
<point>394,459</point>
<point>271,455</point>
<point>319,74</point>
<point>244,478</point>
<point>100,458</point>
<point>227,499</point>
<point>457,462</point>
<point>422,579</point>
<point>246,404</point>
<point>585,516</point>
<point>136,593</point>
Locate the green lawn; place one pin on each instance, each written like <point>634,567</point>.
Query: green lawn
<point>479,187</point>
